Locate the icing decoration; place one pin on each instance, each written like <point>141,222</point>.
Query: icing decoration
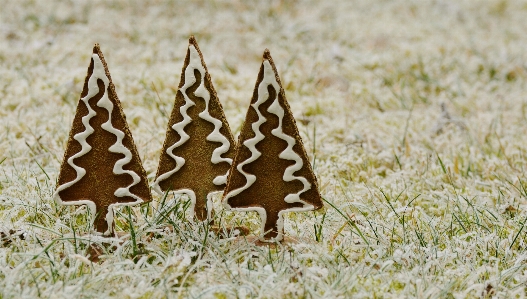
<point>185,163</point>
<point>242,198</point>
<point>98,72</point>
<point>98,83</point>
<point>288,153</point>
<point>118,148</point>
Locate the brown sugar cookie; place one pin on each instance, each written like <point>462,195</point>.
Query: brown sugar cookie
<point>198,149</point>
<point>271,173</point>
<point>101,166</point>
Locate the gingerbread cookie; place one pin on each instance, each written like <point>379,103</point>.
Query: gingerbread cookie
<point>101,166</point>
<point>271,173</point>
<point>198,148</point>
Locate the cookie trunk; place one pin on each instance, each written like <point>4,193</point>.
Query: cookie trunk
<point>200,208</point>
<point>271,229</point>
<point>101,224</point>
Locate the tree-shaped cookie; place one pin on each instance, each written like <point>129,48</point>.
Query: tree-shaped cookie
<point>199,146</point>
<point>101,166</point>
<point>271,173</point>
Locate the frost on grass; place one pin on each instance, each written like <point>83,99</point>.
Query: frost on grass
<point>423,200</point>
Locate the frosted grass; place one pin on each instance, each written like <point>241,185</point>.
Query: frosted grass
<point>413,113</point>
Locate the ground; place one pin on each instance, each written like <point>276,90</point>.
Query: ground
<point>413,112</point>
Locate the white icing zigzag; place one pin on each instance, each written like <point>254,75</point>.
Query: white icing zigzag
<point>195,63</point>
<point>288,154</point>
<point>117,147</point>
<point>215,135</point>
<point>93,89</point>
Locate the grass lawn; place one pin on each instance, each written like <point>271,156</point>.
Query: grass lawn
<point>413,113</point>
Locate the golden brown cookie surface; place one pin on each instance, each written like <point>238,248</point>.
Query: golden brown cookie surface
<point>198,148</point>
<point>101,166</point>
<point>271,173</point>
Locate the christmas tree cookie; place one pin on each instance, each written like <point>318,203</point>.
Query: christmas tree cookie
<point>101,166</point>
<point>271,173</point>
<point>198,149</point>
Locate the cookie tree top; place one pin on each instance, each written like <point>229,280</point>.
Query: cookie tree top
<point>198,147</point>
<point>101,166</point>
<point>271,173</point>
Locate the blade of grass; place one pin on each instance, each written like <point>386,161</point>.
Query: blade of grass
<point>349,221</point>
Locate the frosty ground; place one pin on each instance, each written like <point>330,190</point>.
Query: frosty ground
<point>413,113</point>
